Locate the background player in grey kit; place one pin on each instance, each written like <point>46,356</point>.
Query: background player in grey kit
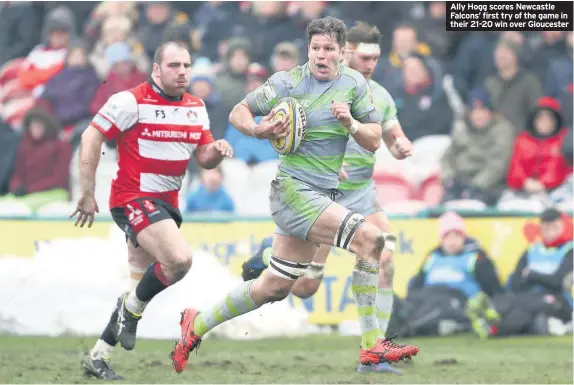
<point>338,103</point>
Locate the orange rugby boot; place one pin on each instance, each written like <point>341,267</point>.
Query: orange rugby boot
<point>385,350</point>
<point>188,341</point>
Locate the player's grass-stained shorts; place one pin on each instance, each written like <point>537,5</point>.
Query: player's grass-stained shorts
<point>363,201</point>
<point>296,205</point>
<point>142,212</point>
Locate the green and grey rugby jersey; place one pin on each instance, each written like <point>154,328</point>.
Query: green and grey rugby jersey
<point>320,155</point>
<point>360,163</point>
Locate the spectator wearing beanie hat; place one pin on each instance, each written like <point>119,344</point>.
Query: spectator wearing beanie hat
<point>513,90</point>
<point>118,52</point>
<point>122,76</point>
<point>285,56</point>
<point>475,164</point>
<point>454,282</point>
<point>47,59</point>
<point>232,76</point>
<point>451,221</point>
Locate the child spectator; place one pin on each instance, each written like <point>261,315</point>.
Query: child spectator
<point>42,160</point>
<point>210,195</point>
<point>537,166</point>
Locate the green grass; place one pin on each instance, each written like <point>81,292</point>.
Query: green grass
<point>314,359</point>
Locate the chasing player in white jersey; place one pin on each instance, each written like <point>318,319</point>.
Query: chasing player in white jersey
<point>158,126</point>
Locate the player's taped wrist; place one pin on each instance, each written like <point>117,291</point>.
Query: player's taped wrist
<point>354,127</point>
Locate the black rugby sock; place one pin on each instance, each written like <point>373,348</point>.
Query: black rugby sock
<point>152,283</point>
<point>108,336</point>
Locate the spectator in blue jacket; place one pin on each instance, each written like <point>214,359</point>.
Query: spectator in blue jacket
<point>210,195</point>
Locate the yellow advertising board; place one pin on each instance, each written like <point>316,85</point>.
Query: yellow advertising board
<point>233,242</point>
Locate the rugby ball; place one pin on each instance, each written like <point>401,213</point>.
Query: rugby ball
<point>290,107</point>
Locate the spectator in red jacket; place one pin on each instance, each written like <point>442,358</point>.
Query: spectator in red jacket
<point>42,160</point>
<point>537,166</point>
<point>123,74</point>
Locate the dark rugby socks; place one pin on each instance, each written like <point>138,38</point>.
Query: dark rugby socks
<point>152,283</point>
<point>105,345</point>
<point>108,336</point>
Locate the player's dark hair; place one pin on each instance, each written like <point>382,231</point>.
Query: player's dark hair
<point>550,215</point>
<point>328,26</point>
<point>158,55</point>
<point>364,33</point>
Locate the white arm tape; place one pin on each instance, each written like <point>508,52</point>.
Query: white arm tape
<point>354,126</point>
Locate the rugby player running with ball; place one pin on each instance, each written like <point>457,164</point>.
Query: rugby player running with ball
<point>357,188</point>
<point>338,104</point>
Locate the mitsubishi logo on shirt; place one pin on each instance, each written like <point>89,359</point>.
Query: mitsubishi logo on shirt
<point>133,213</point>
<point>146,132</point>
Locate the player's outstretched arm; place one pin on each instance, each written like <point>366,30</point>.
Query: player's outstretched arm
<point>118,115</point>
<point>90,148</point>
<point>396,141</point>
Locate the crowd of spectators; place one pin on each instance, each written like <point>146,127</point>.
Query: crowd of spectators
<point>490,113</point>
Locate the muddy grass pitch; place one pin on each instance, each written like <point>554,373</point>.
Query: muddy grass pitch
<point>315,359</point>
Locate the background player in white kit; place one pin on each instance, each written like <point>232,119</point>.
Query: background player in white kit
<point>158,127</point>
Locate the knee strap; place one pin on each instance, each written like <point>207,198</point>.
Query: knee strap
<point>347,230</point>
<point>286,269</point>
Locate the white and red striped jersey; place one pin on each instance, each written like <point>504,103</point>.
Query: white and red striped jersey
<point>43,57</point>
<point>156,138</point>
